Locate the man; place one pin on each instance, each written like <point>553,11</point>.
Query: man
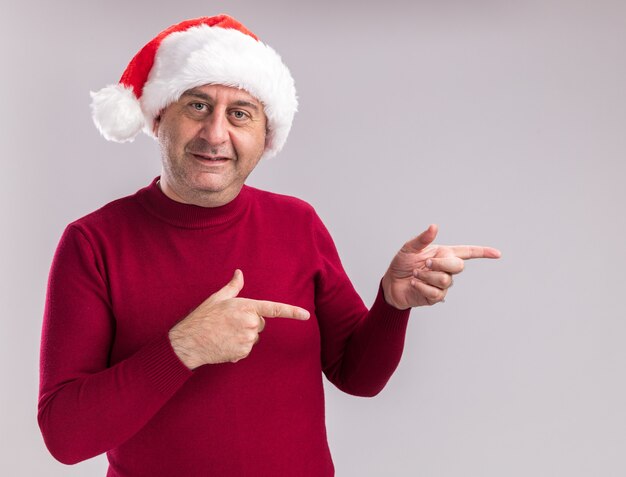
<point>153,349</point>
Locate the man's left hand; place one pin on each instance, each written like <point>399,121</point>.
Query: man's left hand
<point>421,272</point>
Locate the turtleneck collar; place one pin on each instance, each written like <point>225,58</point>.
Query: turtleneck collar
<point>187,215</point>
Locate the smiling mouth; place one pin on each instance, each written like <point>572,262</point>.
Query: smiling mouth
<point>207,158</point>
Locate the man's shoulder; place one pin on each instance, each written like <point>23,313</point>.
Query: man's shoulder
<point>110,214</point>
<point>282,202</point>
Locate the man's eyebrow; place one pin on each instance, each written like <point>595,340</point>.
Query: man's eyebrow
<point>197,94</point>
<point>209,99</point>
<point>244,103</point>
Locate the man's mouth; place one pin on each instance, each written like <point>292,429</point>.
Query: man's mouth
<point>210,158</point>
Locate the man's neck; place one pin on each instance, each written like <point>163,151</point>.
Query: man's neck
<point>201,199</point>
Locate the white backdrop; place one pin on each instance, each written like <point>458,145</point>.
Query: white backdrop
<point>503,122</point>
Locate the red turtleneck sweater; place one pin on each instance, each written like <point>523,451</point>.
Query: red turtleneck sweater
<point>125,274</point>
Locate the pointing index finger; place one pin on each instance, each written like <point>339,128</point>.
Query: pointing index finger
<point>272,309</point>
<point>467,252</point>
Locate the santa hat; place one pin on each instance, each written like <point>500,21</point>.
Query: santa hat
<point>207,50</point>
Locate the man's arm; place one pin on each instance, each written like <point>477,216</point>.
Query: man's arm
<point>87,407</point>
<point>361,348</point>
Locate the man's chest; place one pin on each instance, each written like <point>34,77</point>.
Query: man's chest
<point>161,279</point>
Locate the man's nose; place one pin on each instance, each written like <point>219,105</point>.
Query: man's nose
<point>215,128</point>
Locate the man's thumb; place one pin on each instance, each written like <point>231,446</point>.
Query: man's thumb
<point>423,240</point>
<point>231,289</point>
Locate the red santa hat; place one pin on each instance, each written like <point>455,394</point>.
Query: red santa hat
<point>207,50</point>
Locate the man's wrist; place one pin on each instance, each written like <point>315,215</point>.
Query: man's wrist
<point>182,349</point>
<point>385,285</point>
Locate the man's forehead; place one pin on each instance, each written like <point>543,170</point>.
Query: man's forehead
<point>214,92</point>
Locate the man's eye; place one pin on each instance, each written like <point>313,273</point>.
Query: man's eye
<point>198,106</point>
<point>239,114</point>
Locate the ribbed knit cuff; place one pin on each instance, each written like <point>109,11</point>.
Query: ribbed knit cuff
<point>389,317</point>
<point>162,366</point>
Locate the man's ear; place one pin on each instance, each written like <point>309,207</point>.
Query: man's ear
<point>155,125</point>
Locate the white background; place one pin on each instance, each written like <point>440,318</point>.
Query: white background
<point>503,122</point>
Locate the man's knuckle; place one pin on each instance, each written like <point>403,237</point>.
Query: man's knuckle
<point>274,310</point>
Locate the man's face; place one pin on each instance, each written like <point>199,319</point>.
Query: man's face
<point>210,139</point>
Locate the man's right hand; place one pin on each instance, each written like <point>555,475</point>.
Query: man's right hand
<point>224,328</point>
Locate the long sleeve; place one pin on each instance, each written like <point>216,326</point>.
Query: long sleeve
<point>360,349</point>
<point>85,406</point>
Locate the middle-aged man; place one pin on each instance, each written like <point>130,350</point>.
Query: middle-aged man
<point>151,348</point>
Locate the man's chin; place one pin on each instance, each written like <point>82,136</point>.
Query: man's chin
<point>213,184</point>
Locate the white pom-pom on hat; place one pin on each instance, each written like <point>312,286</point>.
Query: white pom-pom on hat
<point>206,50</point>
<point>116,113</point>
